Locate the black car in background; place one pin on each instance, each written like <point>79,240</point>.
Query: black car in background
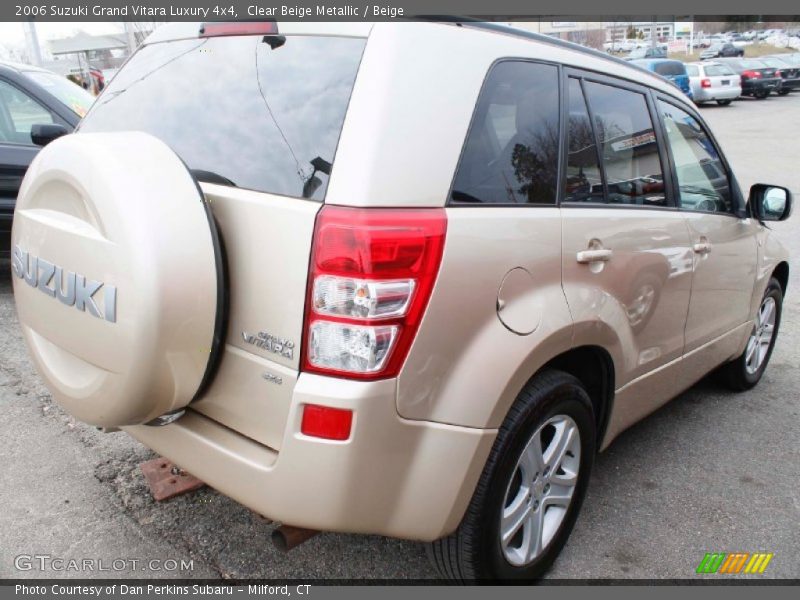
<point>35,106</point>
<point>721,50</point>
<point>759,80</point>
<point>789,73</point>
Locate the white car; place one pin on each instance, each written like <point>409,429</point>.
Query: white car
<point>713,81</point>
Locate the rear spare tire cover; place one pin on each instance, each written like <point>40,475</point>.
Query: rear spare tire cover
<point>115,268</point>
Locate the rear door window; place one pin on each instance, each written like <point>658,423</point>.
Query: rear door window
<point>629,152</point>
<point>511,152</point>
<point>243,111</point>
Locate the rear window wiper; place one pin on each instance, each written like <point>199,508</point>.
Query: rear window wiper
<point>211,177</point>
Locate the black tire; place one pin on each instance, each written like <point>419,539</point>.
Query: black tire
<point>723,102</point>
<point>735,374</point>
<point>473,551</point>
<point>783,92</point>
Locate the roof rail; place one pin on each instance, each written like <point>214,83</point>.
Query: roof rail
<point>531,35</point>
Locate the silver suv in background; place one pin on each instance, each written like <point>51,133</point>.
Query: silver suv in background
<point>357,295</point>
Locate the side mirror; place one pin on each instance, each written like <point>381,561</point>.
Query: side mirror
<point>43,134</point>
<point>770,202</point>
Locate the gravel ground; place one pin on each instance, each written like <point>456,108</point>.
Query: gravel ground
<point>711,471</point>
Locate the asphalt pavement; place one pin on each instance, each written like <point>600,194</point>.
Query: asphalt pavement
<point>712,471</point>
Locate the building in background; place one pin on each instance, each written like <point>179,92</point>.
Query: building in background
<point>587,33</point>
<point>616,31</point>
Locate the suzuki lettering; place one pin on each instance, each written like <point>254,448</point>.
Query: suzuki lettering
<point>69,287</point>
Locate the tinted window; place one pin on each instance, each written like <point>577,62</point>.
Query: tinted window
<point>18,113</point>
<point>629,151</point>
<point>235,109</point>
<point>702,178</point>
<point>584,182</point>
<point>669,68</point>
<point>511,152</point>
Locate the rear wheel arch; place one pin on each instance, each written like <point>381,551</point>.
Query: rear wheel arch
<point>594,368</point>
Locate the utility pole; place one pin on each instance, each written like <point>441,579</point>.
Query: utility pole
<point>653,32</point>
<point>130,36</point>
<point>32,42</point>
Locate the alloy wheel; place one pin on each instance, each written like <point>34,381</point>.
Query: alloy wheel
<point>761,338</point>
<point>540,491</point>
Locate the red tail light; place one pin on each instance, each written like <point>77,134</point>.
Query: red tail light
<point>238,28</point>
<point>778,74</point>
<point>706,83</point>
<point>751,75</point>
<point>371,276</point>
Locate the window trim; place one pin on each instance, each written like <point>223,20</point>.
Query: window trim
<point>561,123</point>
<point>666,171</point>
<point>565,144</point>
<point>742,211</point>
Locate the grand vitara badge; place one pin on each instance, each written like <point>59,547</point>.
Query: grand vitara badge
<point>270,343</point>
<point>71,288</point>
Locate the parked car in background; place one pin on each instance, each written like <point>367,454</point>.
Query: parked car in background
<point>659,51</point>
<point>721,50</point>
<point>672,70</point>
<point>622,45</point>
<point>757,78</point>
<point>789,73</point>
<point>713,81</point>
<point>36,106</point>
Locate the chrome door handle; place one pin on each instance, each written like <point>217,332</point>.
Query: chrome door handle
<point>590,256</point>
<point>702,247</point>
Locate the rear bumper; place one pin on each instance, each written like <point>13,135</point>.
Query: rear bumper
<point>719,93</point>
<point>752,86</point>
<point>394,477</point>
<point>790,84</point>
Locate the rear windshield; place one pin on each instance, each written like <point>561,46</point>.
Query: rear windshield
<point>774,62</point>
<point>670,68</point>
<point>712,70</point>
<point>752,64</point>
<point>261,113</point>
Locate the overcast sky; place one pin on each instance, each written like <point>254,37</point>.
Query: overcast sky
<point>12,35</point>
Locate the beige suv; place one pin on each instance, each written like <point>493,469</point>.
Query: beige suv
<point>401,279</point>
